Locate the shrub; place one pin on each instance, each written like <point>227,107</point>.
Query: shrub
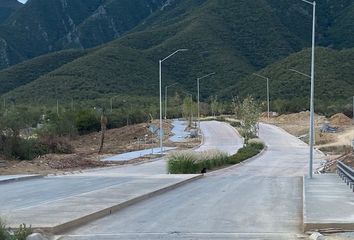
<point>4,234</point>
<point>19,148</point>
<point>58,145</point>
<point>22,232</point>
<point>189,162</point>
<point>182,162</point>
<point>248,151</point>
<point>19,234</point>
<point>87,121</point>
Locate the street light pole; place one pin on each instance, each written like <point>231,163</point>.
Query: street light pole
<point>160,90</point>
<point>198,97</point>
<point>166,89</point>
<point>312,107</point>
<point>268,94</point>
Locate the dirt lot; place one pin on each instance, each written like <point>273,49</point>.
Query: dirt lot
<point>335,145</point>
<point>125,139</point>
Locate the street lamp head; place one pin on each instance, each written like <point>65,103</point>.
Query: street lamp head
<point>260,76</point>
<point>208,75</point>
<point>298,72</point>
<point>179,50</point>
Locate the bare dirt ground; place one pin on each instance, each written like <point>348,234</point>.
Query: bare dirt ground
<point>336,145</point>
<point>85,154</point>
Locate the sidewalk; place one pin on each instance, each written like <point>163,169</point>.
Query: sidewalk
<point>136,154</point>
<point>59,214</point>
<point>328,203</point>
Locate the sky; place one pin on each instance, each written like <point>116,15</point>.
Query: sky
<point>22,1</point>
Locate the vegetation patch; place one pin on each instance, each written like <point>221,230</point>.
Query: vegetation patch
<point>189,162</point>
<point>9,234</point>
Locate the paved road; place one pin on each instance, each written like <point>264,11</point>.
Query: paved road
<point>32,193</point>
<point>258,200</point>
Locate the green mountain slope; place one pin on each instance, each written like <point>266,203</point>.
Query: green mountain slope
<point>24,73</point>
<point>232,38</point>
<point>290,91</point>
<point>43,26</point>
<point>7,7</point>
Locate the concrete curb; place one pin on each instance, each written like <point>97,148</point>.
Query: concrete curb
<point>313,226</point>
<point>107,211</point>
<point>20,179</point>
<point>304,217</point>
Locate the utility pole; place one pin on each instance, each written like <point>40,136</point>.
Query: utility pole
<point>160,90</point>
<point>268,97</point>
<point>198,97</point>
<point>57,107</point>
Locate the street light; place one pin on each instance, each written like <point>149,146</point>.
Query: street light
<point>198,89</point>
<point>268,98</point>
<point>301,73</point>
<point>166,89</point>
<point>160,89</point>
<point>111,101</point>
<point>312,105</point>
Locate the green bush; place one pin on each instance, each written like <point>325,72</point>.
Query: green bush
<point>248,151</point>
<point>59,145</point>
<point>28,149</point>
<point>189,162</point>
<point>4,234</point>
<point>19,234</point>
<point>87,121</point>
<point>22,232</point>
<point>22,149</point>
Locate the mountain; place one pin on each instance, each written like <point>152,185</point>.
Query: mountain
<point>23,73</point>
<point>290,91</point>
<point>7,7</point>
<point>43,26</point>
<point>232,38</point>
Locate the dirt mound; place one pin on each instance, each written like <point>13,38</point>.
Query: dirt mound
<point>340,119</point>
<point>294,117</point>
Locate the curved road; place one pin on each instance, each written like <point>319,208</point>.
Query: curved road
<point>30,194</point>
<point>261,199</point>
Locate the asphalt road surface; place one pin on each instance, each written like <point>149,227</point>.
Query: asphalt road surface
<point>261,199</point>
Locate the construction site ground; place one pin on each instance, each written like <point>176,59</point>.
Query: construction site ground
<point>85,154</point>
<point>334,145</point>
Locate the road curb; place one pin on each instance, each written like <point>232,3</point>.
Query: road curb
<point>304,217</point>
<point>20,179</point>
<point>110,210</point>
<point>326,224</point>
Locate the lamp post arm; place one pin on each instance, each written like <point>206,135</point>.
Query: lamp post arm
<point>179,50</point>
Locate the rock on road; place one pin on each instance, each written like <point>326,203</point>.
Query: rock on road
<point>261,199</point>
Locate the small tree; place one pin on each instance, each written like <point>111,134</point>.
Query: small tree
<point>188,108</point>
<point>104,123</point>
<point>250,113</point>
<point>214,105</point>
